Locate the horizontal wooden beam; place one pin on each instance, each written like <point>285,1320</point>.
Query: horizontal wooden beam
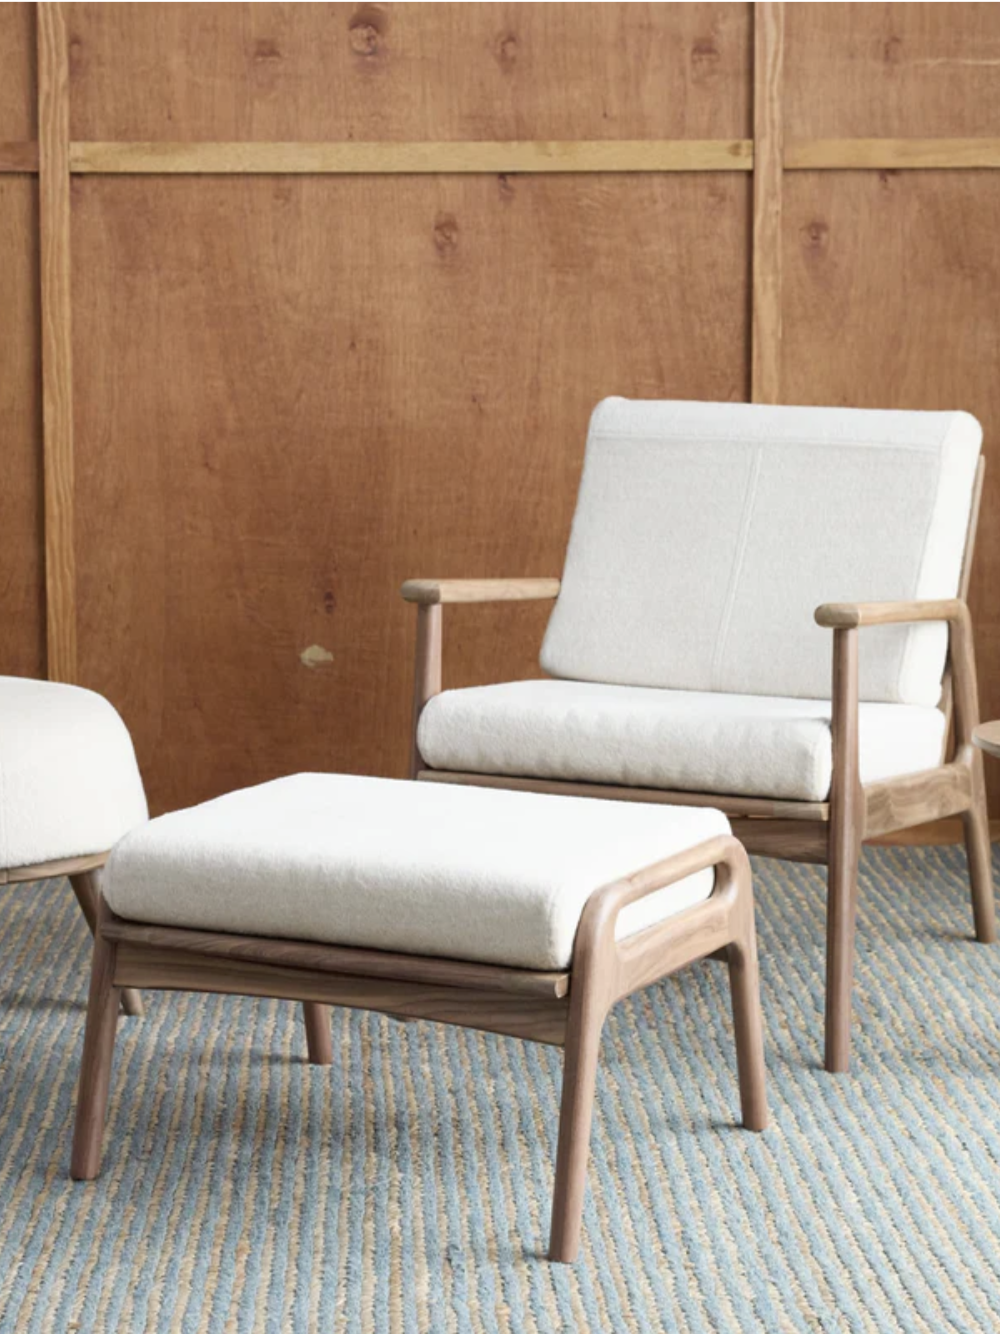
<point>890,154</point>
<point>413,158</point>
<point>608,155</point>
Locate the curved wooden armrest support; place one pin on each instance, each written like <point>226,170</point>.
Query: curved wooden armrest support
<point>618,967</point>
<point>429,592</point>
<point>855,615</point>
<point>602,908</point>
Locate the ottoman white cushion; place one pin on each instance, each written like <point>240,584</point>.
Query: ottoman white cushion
<point>419,868</point>
<point>69,782</point>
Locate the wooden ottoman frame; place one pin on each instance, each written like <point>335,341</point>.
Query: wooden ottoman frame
<point>562,1008</point>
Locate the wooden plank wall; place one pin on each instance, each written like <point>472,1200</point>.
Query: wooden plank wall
<point>345,281</point>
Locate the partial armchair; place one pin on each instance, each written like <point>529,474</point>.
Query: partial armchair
<point>689,654</point>
<point>69,789</point>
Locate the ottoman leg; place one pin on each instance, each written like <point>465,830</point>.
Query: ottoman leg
<point>85,887</point>
<point>749,1025</point>
<point>95,1069</point>
<point>588,1008</point>
<point>318,1040</point>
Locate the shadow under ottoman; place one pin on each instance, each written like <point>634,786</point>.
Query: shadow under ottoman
<point>506,911</point>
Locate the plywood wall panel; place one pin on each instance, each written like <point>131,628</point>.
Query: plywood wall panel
<point>17,72</point>
<point>22,642</point>
<point>892,70</point>
<point>410,71</point>
<point>294,393</point>
<point>863,327</point>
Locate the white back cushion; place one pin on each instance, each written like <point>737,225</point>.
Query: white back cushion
<point>706,534</point>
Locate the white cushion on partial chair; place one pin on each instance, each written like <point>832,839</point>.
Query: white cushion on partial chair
<point>417,868</point>
<point>706,534</point>
<point>689,741</point>
<point>69,782</point>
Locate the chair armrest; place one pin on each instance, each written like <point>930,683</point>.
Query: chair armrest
<point>853,615</point>
<point>428,592</point>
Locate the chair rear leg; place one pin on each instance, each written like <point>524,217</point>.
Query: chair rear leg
<point>95,1068</point>
<point>86,888</point>
<point>319,1042</point>
<point>975,822</point>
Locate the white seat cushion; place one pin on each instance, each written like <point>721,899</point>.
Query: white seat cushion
<point>450,872</point>
<point>69,782</point>
<point>706,534</point>
<point>682,740</point>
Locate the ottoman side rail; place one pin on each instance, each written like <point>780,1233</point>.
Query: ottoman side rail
<point>349,960</point>
<point>521,1016</point>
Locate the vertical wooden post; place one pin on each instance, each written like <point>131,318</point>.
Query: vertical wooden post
<point>844,849</point>
<point>768,153</point>
<point>427,673</point>
<point>57,350</point>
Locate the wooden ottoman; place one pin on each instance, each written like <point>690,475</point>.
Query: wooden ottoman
<point>512,912</point>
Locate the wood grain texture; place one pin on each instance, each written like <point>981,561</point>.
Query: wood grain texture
<point>430,592</point>
<point>19,156</point>
<point>341,72</point>
<point>57,352</point>
<point>864,328</point>
<point>769,47</point>
<point>893,70</point>
<point>919,798</point>
<point>22,571</point>
<point>148,968</point>
<point>318,410</point>
<point>316,957</point>
<point>18,77</point>
<point>249,158</point>
<point>891,154</point>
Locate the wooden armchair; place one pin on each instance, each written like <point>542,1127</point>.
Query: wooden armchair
<point>687,651</point>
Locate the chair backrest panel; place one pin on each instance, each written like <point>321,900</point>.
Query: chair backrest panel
<point>706,535</point>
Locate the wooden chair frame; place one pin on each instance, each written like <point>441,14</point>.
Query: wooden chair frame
<point>829,832</point>
<point>83,874</point>
<point>562,1008</point>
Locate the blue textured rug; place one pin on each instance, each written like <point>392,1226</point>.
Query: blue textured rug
<point>407,1188</point>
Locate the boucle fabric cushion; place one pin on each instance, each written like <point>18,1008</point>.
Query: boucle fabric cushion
<point>69,782</point>
<point>684,740</point>
<point>706,534</point>
<point>420,868</point>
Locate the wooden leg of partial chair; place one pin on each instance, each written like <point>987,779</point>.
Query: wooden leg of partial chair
<point>583,1041</point>
<point>95,1068</point>
<point>977,846</point>
<point>749,1025</point>
<point>319,1042</point>
<point>87,890</point>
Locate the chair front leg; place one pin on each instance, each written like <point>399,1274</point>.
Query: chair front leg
<point>98,1053</point>
<point>841,919</point>
<point>86,887</point>
<point>844,851</point>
